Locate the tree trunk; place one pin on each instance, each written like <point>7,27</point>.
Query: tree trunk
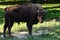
<point>33,1</point>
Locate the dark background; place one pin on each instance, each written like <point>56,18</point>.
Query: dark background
<point>27,1</point>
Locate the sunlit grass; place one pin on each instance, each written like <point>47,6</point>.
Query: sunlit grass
<point>3,6</point>
<point>50,5</point>
<point>1,27</point>
<point>12,38</point>
<point>22,27</point>
<point>54,9</point>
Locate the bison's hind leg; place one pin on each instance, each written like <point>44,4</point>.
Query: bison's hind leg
<point>5,26</point>
<point>10,26</point>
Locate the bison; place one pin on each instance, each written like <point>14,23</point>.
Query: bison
<point>29,13</point>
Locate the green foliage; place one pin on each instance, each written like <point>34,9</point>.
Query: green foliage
<point>53,11</point>
<point>9,38</point>
<point>14,0</point>
<point>48,1</point>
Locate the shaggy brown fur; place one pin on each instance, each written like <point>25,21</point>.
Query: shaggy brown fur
<point>22,13</point>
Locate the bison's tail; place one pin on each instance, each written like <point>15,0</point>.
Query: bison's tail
<point>5,9</point>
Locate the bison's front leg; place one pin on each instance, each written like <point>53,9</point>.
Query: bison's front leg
<point>29,26</point>
<point>10,26</point>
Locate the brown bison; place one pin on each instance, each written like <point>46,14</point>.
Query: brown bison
<point>29,13</point>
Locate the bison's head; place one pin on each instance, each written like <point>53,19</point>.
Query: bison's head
<point>40,15</point>
<point>39,11</point>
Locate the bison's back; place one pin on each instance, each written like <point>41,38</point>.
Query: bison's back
<point>21,14</point>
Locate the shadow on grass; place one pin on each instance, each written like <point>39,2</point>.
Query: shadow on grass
<point>1,33</point>
<point>41,37</point>
<point>52,14</point>
<point>54,30</point>
<point>1,16</point>
<point>9,38</point>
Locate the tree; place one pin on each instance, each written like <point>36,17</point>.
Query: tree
<point>33,1</point>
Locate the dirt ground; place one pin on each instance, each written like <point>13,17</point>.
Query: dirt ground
<point>24,34</point>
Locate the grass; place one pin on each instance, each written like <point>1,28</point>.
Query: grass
<point>12,38</point>
<point>53,12</point>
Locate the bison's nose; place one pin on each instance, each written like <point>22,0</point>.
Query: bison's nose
<point>39,19</point>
